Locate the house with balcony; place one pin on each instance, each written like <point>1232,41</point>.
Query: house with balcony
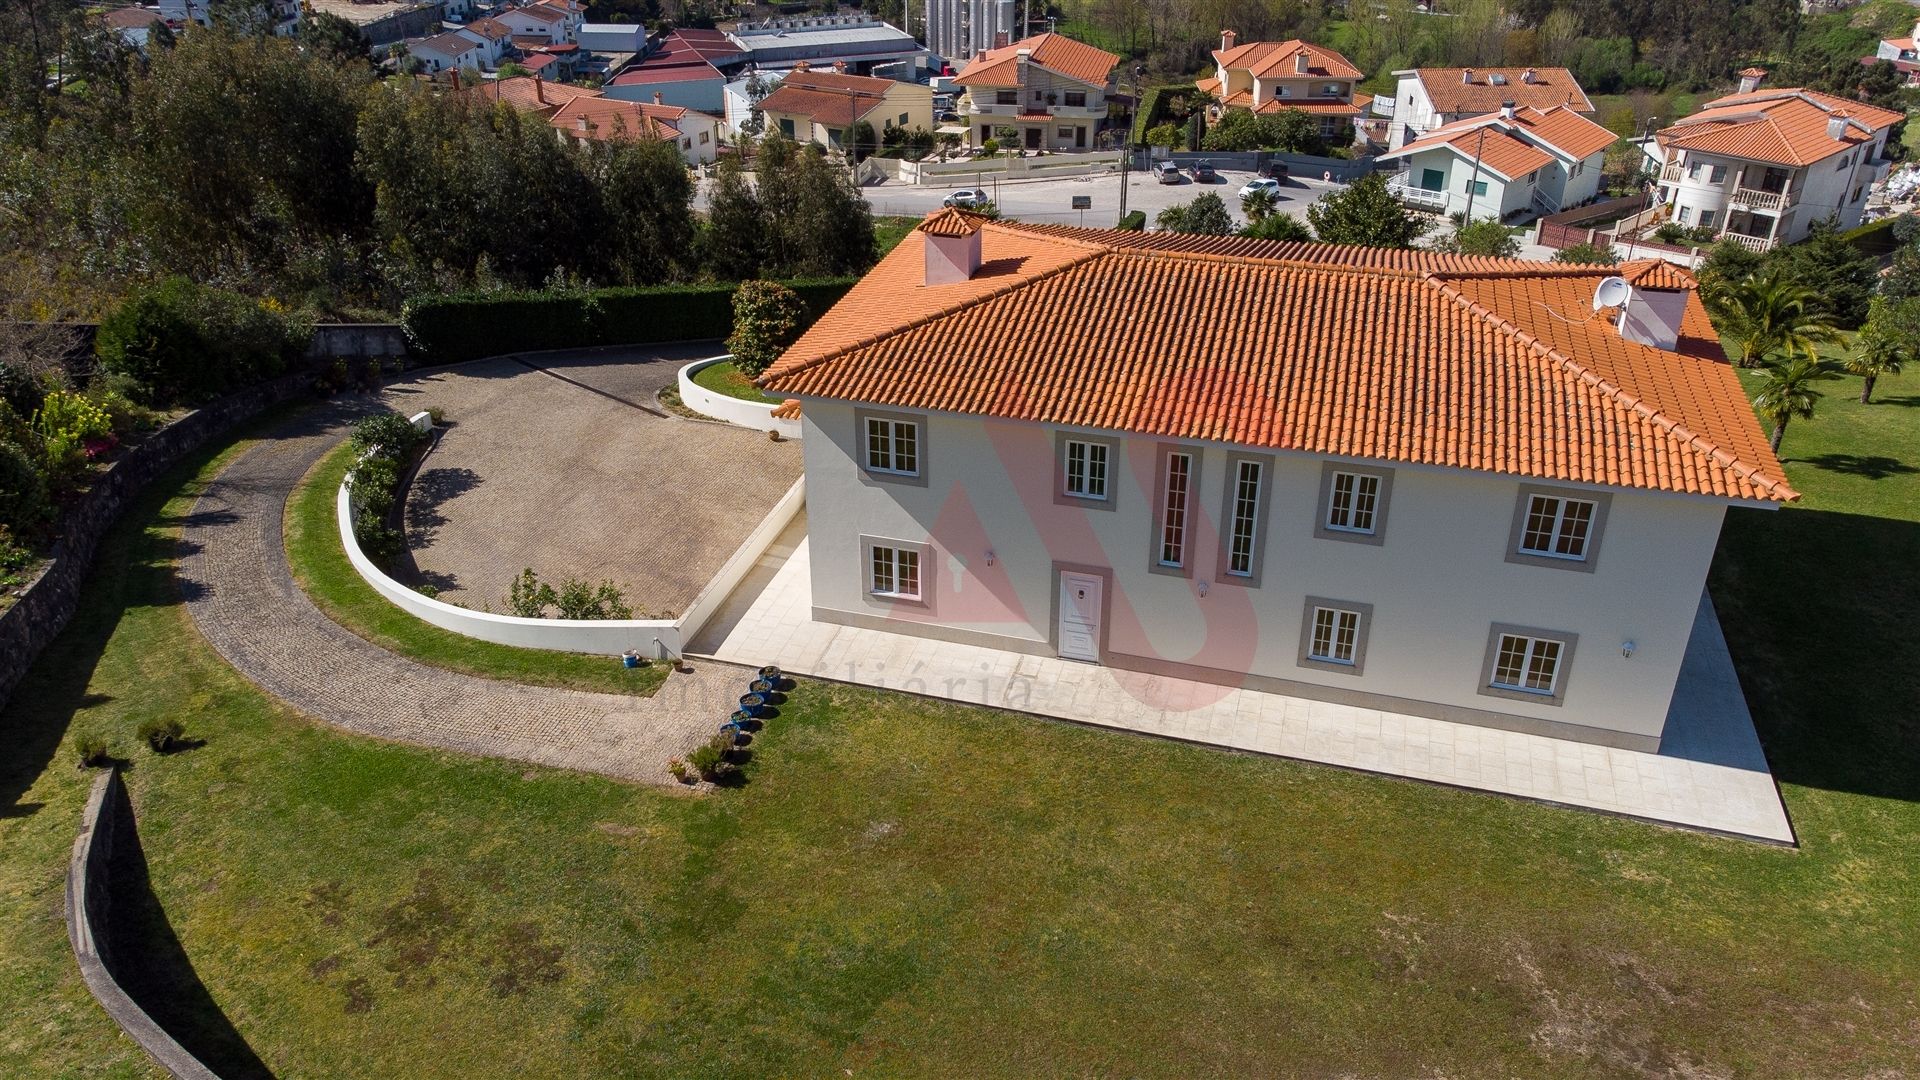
<point>1268,76</point>
<point>1394,480</point>
<point>1764,165</point>
<point>1427,98</point>
<point>822,107</point>
<point>1050,89</point>
<point>1903,53</point>
<point>1512,163</point>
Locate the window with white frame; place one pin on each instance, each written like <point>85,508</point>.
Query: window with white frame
<point>1352,500</point>
<point>1086,469</point>
<point>1527,664</point>
<point>1718,175</point>
<point>1557,527</point>
<point>1335,636</point>
<point>1173,509</point>
<point>894,572</point>
<point>893,446</point>
<point>1707,218</point>
<point>1244,525</point>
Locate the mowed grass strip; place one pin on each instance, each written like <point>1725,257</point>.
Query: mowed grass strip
<point>904,887</point>
<point>320,567</point>
<point>724,378</point>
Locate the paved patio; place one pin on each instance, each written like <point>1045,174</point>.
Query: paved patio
<point>560,462</point>
<point>1711,774</point>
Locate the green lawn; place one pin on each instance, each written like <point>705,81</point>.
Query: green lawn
<point>724,378</point>
<point>320,567</point>
<point>889,231</point>
<point>906,888</point>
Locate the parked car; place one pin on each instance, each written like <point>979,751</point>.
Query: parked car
<point>1168,172</point>
<point>949,117</point>
<point>966,198</point>
<point>1276,170</point>
<point>1203,172</point>
<point>1260,183</point>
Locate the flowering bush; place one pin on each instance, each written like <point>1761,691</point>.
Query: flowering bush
<point>68,415</point>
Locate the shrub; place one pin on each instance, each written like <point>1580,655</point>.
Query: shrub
<point>713,759</point>
<point>1484,236</point>
<point>388,434</point>
<point>1134,221</point>
<point>1278,227</point>
<point>767,317</point>
<point>23,492</point>
<point>185,342</point>
<point>577,600</point>
<point>991,147</point>
<point>529,597</point>
<point>91,748</point>
<point>14,560</point>
<point>124,415</point>
<point>679,770</point>
<point>19,389</point>
<point>162,734</point>
<point>1586,255</point>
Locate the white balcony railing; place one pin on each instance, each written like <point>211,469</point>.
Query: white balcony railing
<point>1759,200</point>
<point>1418,196</point>
<point>1671,172</point>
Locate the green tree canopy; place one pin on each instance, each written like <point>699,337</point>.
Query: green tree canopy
<point>1366,213</point>
<point>1277,227</point>
<point>1207,214</point>
<point>1890,341</point>
<point>1483,236</point>
<point>1841,276</point>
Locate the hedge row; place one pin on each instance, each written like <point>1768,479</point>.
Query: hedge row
<point>1876,238</point>
<point>449,329</point>
<point>1151,109</point>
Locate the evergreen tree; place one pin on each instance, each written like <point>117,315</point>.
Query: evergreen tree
<point>1841,275</point>
<point>1366,214</point>
<point>737,232</point>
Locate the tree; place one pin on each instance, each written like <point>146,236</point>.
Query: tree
<point>646,198</point>
<point>1167,135</point>
<point>1484,236</point>
<point>1292,131</point>
<point>767,317</point>
<point>1586,255</point>
<point>732,243</point>
<point>1258,203</point>
<point>1727,263</point>
<point>1277,227</point>
<point>1768,314</point>
<point>337,40</point>
<point>1890,341</point>
<point>1236,130</point>
<point>1206,215</point>
<point>1788,392</point>
<point>1903,277</point>
<point>1366,214</point>
<point>1826,261</point>
<point>861,141</point>
<point>757,91</point>
<point>511,70</point>
<point>816,223</point>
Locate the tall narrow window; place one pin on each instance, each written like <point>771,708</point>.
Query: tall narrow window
<point>1336,634</point>
<point>1557,527</point>
<point>1086,469</point>
<point>1173,525</point>
<point>1352,501</point>
<point>893,446</point>
<point>1527,664</point>
<point>1246,518</point>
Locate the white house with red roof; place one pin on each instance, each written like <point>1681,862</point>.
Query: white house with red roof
<point>1764,165</point>
<point>548,22</point>
<point>1427,98</point>
<point>1049,89</point>
<point>1268,76</point>
<point>452,51</point>
<point>1512,163</point>
<point>1902,53</point>
<point>1479,490</point>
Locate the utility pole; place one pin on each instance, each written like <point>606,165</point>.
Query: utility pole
<point>1479,142</point>
<point>1646,182</point>
<point>1126,142</point>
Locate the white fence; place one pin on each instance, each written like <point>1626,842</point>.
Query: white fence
<point>739,412</point>
<point>656,638</point>
<point>1008,167</point>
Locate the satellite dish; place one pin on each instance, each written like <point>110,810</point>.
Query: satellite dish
<point>1613,292</point>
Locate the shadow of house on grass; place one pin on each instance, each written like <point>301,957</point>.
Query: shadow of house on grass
<point>1870,466</point>
<point>1819,611</point>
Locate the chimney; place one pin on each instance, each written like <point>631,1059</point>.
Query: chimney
<point>1750,79</point>
<point>456,76</point>
<point>1466,76</point>
<point>1227,38</point>
<point>802,65</point>
<point>1301,61</point>
<point>539,89</point>
<point>1529,76</point>
<point>659,98</point>
<point>952,246</point>
<point>579,123</point>
<point>1655,304</point>
<point>1837,125</point>
<point>1506,110</point>
<point>840,67</point>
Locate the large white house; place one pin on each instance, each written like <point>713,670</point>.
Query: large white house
<point>1429,484</point>
<point>1426,98</point>
<point>1505,164</point>
<point>1764,165</point>
<point>1049,90</point>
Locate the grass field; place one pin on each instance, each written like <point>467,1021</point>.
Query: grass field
<point>321,568</point>
<point>724,378</point>
<point>906,888</point>
<point>888,231</point>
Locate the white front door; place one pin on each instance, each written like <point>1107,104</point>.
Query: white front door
<point>1080,617</point>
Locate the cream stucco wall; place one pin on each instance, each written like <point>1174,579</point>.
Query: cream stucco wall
<point>1437,583</point>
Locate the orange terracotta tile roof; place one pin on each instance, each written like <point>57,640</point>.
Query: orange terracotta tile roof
<point>1783,127</point>
<point>1486,364</point>
<point>490,28</point>
<point>1753,73</point>
<point>787,410</point>
<point>1558,128</point>
<point>1310,107</point>
<point>1498,148</point>
<point>1657,274</point>
<point>1057,53</point>
<point>1209,85</point>
<point>1274,59</point>
<point>827,97</point>
<point>606,118</point>
<point>1551,86</point>
<point>524,92</point>
<point>952,221</point>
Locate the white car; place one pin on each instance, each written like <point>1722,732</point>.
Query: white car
<point>966,198</point>
<point>1261,183</point>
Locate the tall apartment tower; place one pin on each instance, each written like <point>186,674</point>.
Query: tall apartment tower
<point>957,29</point>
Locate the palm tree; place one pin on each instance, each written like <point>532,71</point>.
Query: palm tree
<point>1258,203</point>
<point>1878,354</point>
<point>1766,313</point>
<point>1788,392</point>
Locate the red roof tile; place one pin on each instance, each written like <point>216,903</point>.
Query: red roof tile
<point>1451,94</point>
<point>1274,59</point>
<point>1657,274</point>
<point>1785,127</point>
<point>952,221</point>
<point>1057,53</point>
<point>829,98</point>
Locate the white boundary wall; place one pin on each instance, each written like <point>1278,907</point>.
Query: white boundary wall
<point>736,411</point>
<point>656,638</point>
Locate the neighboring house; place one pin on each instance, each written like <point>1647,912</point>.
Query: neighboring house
<point>822,106</point>
<point>613,37</point>
<point>599,118</point>
<point>1426,98</point>
<point>739,102</point>
<point>957,29</point>
<point>133,25</point>
<point>450,51</point>
<point>1051,89</point>
<point>1512,162</point>
<point>492,33</point>
<point>182,12</point>
<point>1268,76</point>
<point>683,68</point>
<point>1408,481</point>
<point>859,41</point>
<point>699,137</point>
<point>542,21</point>
<point>1763,166</point>
<point>1902,53</point>
<point>531,93</point>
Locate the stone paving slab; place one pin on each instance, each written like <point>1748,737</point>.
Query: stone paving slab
<point>241,595</point>
<point>1714,778</point>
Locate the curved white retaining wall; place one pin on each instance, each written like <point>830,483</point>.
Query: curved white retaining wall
<point>736,411</point>
<point>656,638</point>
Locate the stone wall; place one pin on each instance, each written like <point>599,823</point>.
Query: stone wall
<point>89,911</point>
<point>42,611</point>
<point>375,340</point>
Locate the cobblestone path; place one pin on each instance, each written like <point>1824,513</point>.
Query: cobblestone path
<point>238,589</point>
